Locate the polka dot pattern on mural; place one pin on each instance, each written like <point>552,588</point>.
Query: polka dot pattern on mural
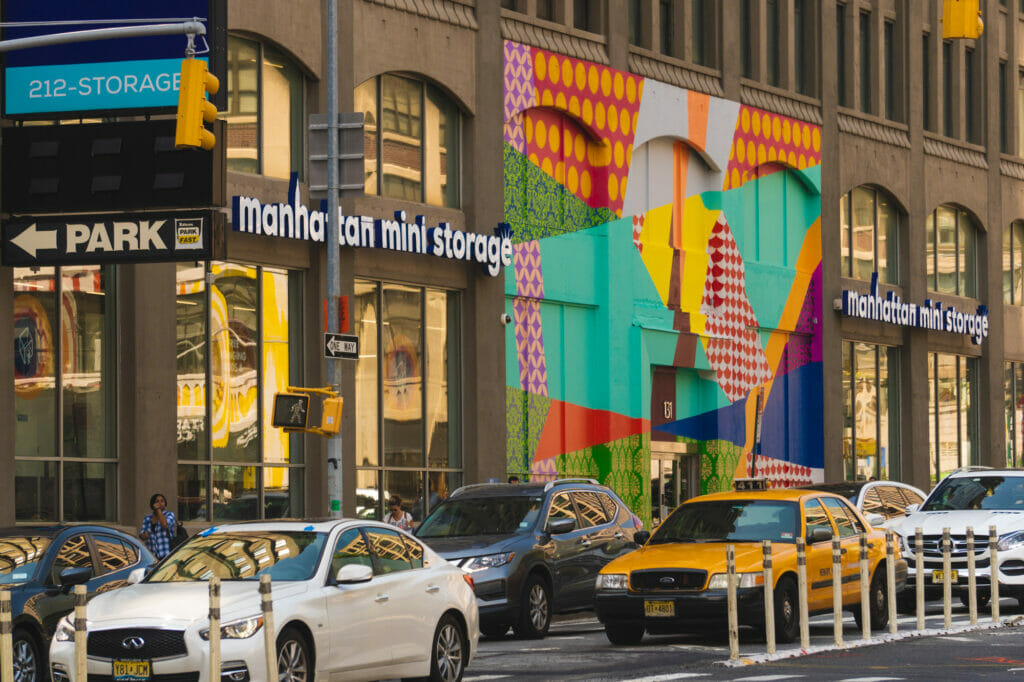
<point>783,474</point>
<point>762,137</point>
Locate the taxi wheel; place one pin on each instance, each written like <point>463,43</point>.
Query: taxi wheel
<point>906,601</point>
<point>624,635</point>
<point>879,606</point>
<point>787,612</point>
<point>983,599</point>
<point>535,612</point>
<point>493,630</point>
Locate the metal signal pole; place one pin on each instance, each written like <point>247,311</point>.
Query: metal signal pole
<point>334,471</point>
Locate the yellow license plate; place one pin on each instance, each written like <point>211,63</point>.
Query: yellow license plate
<point>937,576</point>
<point>131,671</point>
<point>659,609</point>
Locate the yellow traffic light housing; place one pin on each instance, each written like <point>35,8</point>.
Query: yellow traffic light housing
<point>194,110</point>
<point>961,19</point>
<point>291,411</point>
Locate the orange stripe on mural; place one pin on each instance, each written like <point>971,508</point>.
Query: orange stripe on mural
<point>697,106</point>
<point>569,428</point>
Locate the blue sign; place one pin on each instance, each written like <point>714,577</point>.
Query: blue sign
<point>116,75</point>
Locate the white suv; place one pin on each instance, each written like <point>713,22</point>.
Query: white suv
<point>975,497</point>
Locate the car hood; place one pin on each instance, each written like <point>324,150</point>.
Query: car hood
<point>709,556</point>
<point>471,545</point>
<point>959,520</point>
<point>182,603</point>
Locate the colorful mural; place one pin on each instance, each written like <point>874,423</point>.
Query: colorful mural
<point>658,227</point>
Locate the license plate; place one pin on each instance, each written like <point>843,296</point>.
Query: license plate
<point>659,609</point>
<point>937,576</point>
<point>131,671</point>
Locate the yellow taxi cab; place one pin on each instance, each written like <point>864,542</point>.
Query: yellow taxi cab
<point>677,578</point>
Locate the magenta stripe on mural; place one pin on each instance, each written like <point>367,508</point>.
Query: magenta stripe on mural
<point>519,92</point>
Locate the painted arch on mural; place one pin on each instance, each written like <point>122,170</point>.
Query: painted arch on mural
<point>658,227</point>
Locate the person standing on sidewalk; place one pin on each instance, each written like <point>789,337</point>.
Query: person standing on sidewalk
<point>159,527</point>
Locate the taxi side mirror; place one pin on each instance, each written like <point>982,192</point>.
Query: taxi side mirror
<point>819,534</point>
<point>641,537</point>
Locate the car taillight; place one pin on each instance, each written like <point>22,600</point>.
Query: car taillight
<point>469,580</point>
<point>637,523</point>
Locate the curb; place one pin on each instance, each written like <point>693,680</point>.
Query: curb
<point>882,639</point>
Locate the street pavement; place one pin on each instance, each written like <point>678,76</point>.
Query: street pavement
<point>577,649</point>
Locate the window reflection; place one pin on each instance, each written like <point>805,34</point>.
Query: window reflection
<point>952,412</point>
<point>870,409</point>
<point>951,252</point>
<point>869,224</point>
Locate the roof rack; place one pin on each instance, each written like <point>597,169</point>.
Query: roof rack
<point>563,481</point>
<point>470,486</point>
<point>972,467</point>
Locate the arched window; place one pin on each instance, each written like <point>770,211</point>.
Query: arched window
<point>265,115</point>
<point>1013,263</point>
<point>412,139</point>
<point>952,252</point>
<point>869,221</point>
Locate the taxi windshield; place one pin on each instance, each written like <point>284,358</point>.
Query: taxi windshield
<point>730,521</point>
<point>19,557</point>
<point>243,555</point>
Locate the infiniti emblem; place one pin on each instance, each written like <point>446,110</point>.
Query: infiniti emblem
<point>133,643</point>
<point>667,580</point>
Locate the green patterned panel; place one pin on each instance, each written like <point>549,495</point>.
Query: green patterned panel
<point>525,414</point>
<point>718,460</point>
<point>622,465</point>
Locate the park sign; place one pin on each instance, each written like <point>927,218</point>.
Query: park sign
<point>113,76</point>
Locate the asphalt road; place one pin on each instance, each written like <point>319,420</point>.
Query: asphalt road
<point>577,649</point>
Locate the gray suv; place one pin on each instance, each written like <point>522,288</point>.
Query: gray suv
<point>532,549</point>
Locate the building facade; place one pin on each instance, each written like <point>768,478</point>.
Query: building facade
<point>720,240</point>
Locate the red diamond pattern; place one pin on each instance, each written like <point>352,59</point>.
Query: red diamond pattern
<point>783,474</point>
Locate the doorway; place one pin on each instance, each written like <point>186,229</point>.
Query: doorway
<point>674,478</point>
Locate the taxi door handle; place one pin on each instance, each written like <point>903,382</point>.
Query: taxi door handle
<point>381,598</point>
<point>433,589</point>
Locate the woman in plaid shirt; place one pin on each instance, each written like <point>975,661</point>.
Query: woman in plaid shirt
<point>159,527</point>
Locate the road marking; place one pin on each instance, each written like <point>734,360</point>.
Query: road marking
<point>481,678</point>
<point>870,679</point>
<point>543,648</point>
<point>768,678</point>
<point>950,638</point>
<point>662,678</point>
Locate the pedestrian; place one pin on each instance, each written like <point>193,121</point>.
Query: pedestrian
<point>513,479</point>
<point>159,527</point>
<point>398,517</point>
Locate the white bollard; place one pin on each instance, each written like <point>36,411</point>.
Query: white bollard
<point>890,579</point>
<point>865,589</point>
<point>769,596</point>
<point>972,583</point>
<point>919,571</point>
<point>837,592</point>
<point>993,550</point>
<point>6,630</point>
<point>214,672</point>
<point>947,582</point>
<point>267,605</point>
<point>801,588</point>
<point>81,635</point>
<point>734,627</point>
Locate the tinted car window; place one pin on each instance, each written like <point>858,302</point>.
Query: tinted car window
<point>561,508</point>
<point>610,508</point>
<point>20,557</point>
<point>244,555</point>
<point>112,553</point>
<point>74,553</point>
<point>911,497</point>
<point>590,509</point>
<point>415,552</point>
<point>873,502</point>
<point>846,522</point>
<point>977,492</point>
<point>893,503</point>
<point>131,552</point>
<point>481,516</point>
<point>729,520</point>
<point>815,517</point>
<point>350,549</point>
<point>389,553</point>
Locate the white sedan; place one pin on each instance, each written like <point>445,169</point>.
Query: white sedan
<point>353,600</point>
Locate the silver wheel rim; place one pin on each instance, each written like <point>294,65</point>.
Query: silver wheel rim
<point>291,663</point>
<point>448,653</point>
<point>538,607</point>
<point>787,609</point>
<point>24,662</point>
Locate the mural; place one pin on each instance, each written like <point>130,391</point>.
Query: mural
<point>658,227</point>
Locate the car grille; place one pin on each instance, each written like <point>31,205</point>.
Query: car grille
<point>931,549</point>
<point>157,643</point>
<point>667,580</point>
<point>169,677</point>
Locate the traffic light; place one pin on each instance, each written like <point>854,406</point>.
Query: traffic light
<point>193,107</point>
<point>961,19</point>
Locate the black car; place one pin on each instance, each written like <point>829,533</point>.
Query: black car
<point>40,565</point>
<point>532,549</point>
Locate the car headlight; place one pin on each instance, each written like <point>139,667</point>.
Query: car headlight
<point>1010,541</point>
<point>479,563</point>
<point>612,581</point>
<point>66,629</point>
<point>239,629</point>
<point>720,581</point>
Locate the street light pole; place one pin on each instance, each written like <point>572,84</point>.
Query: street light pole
<point>334,470</point>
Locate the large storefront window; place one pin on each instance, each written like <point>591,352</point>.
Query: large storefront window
<point>952,412</point>
<point>1013,397</point>
<point>1013,263</point>
<point>951,252</point>
<point>239,343</point>
<point>871,411</point>
<point>412,136</point>
<point>65,455</point>
<point>869,226</point>
<point>408,396</point>
<point>265,116</point>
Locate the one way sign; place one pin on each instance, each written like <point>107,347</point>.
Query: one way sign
<point>341,346</point>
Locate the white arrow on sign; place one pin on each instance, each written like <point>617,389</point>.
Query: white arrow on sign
<point>31,240</point>
<point>337,346</point>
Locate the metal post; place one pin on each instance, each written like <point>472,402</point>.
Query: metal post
<point>214,672</point>
<point>837,592</point>
<point>6,628</point>
<point>993,550</point>
<point>865,589</point>
<point>81,635</point>
<point>919,572</point>
<point>334,471</point>
<point>769,596</point>
<point>801,588</point>
<point>947,583</point>
<point>890,579</point>
<point>972,583</point>
<point>269,644</point>
<point>734,627</point>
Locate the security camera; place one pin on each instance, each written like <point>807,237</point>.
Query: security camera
<point>505,318</point>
